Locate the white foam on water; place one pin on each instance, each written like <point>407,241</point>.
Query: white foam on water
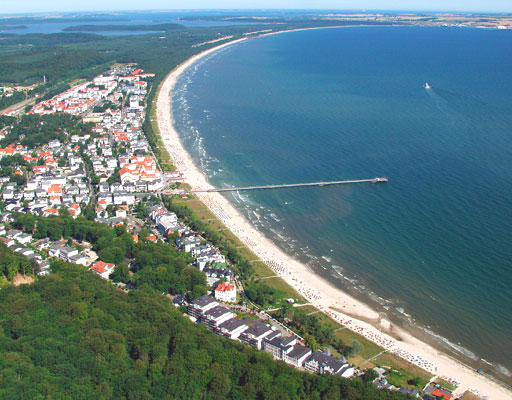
<point>454,346</point>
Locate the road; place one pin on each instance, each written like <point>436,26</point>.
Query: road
<point>21,105</point>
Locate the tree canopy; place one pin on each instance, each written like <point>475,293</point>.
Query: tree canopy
<point>71,335</point>
<point>34,130</point>
<point>154,265</point>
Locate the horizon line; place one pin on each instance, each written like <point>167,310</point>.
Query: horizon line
<point>199,10</point>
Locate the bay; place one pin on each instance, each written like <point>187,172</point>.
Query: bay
<point>433,246</point>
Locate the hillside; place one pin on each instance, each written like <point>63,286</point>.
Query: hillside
<point>72,335</point>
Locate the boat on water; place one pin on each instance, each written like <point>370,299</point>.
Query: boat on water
<point>427,86</point>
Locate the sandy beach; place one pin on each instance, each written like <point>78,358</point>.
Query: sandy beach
<point>352,313</point>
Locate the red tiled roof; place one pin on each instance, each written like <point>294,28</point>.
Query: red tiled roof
<point>438,393</point>
<point>102,267</point>
<point>55,189</point>
<point>223,287</point>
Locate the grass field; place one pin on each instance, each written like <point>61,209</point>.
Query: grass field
<point>444,383</point>
<point>163,156</point>
<point>309,309</point>
<point>261,270</point>
<point>240,315</point>
<point>328,321</point>
<point>401,372</point>
<point>370,349</point>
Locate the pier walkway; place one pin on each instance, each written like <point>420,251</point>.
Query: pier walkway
<point>291,185</point>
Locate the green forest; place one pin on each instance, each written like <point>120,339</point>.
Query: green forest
<point>155,266</point>
<point>72,335</point>
<point>11,263</point>
<point>6,101</point>
<point>35,130</point>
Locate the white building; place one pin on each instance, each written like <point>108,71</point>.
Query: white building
<point>226,292</point>
<point>103,269</point>
<point>124,198</point>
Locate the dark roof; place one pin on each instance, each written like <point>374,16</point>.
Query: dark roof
<point>287,341</point>
<point>325,360</point>
<point>216,311</point>
<point>381,383</point>
<point>218,271</point>
<point>281,342</point>
<point>67,249</point>
<point>433,387</point>
<point>273,334</point>
<point>232,324</point>
<point>179,299</point>
<point>275,341</point>
<point>299,351</point>
<point>258,329</point>
<point>203,301</point>
<point>413,392</point>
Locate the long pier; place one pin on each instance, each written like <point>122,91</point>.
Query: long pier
<point>291,185</point>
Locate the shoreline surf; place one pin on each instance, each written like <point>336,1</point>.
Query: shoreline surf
<point>324,296</point>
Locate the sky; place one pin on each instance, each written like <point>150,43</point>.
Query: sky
<point>33,6</point>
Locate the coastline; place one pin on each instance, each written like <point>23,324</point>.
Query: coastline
<point>352,313</point>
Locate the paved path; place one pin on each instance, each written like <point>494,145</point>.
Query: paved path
<point>20,105</point>
<point>372,358</point>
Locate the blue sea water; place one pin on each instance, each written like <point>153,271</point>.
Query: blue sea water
<point>433,247</point>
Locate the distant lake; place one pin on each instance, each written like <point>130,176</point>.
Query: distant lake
<point>142,18</point>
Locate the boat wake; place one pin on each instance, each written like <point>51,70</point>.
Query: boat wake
<point>455,118</point>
